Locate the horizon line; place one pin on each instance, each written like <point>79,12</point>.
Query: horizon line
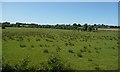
<point>60,23</point>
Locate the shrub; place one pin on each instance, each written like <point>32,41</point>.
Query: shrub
<point>4,39</point>
<point>49,40</point>
<point>46,51</point>
<point>11,38</point>
<point>21,67</point>
<point>37,39</point>
<point>81,50</point>
<point>18,40</point>
<point>54,64</point>
<point>22,45</point>
<point>23,64</point>
<point>89,45</point>
<point>8,68</point>
<point>100,48</point>
<point>85,47</point>
<point>89,59</point>
<point>79,55</point>
<point>3,27</point>
<point>66,44</point>
<point>32,46</point>
<point>58,49</point>
<point>97,51</point>
<point>41,45</point>
<point>97,68</point>
<point>71,51</point>
<point>113,47</point>
<point>95,48</point>
<point>89,51</point>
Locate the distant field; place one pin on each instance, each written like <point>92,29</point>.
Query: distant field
<point>114,29</point>
<point>82,50</point>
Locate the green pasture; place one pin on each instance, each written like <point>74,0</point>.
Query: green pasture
<point>82,50</point>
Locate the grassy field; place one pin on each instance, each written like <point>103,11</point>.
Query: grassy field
<point>0,47</point>
<point>82,50</point>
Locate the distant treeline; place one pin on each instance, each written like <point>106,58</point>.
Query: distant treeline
<point>84,27</point>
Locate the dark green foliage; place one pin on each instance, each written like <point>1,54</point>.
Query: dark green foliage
<point>85,47</point>
<point>89,45</point>
<point>113,47</point>
<point>11,38</point>
<point>32,46</point>
<point>22,45</point>
<point>58,49</point>
<point>54,64</point>
<point>89,59</point>
<point>49,40</point>
<point>23,64</point>
<point>71,44</point>
<point>21,67</point>
<point>46,51</point>
<point>86,27</point>
<point>37,39</point>
<point>79,55</point>
<point>97,51</point>
<point>66,44</point>
<point>89,51</point>
<point>71,51</point>
<point>8,68</point>
<point>97,68</point>
<point>4,39</point>
<point>3,27</point>
<point>81,50</point>
<point>40,45</point>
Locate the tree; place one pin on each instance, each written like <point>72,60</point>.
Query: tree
<point>89,28</point>
<point>75,24</point>
<point>85,27</point>
<point>79,25</point>
<point>6,23</point>
<point>95,25</point>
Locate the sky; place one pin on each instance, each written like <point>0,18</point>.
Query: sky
<point>61,12</point>
<point>59,0</point>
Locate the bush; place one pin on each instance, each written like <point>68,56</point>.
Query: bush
<point>54,64</point>
<point>32,46</point>
<point>81,50</point>
<point>8,68</point>
<point>97,68</point>
<point>21,67</point>
<point>71,51</point>
<point>40,45</point>
<point>58,49</point>
<point>37,39</point>
<point>22,45</point>
<point>89,59</point>
<point>89,51</point>
<point>3,27</point>
<point>46,51</point>
<point>66,44</point>
<point>79,55</point>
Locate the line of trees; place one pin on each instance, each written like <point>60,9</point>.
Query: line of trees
<point>75,26</point>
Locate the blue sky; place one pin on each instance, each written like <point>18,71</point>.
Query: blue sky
<point>61,12</point>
